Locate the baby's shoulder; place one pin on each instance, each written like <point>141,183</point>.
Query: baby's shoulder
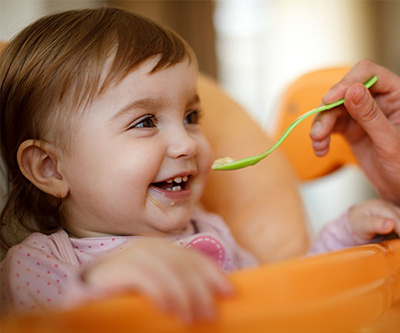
<point>39,244</point>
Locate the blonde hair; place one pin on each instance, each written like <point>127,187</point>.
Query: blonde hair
<point>57,65</point>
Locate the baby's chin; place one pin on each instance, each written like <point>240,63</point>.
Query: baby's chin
<point>165,223</point>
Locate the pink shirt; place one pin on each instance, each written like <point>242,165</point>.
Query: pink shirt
<point>44,270</point>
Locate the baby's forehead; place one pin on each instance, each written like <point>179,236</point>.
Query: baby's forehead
<point>145,84</point>
<point>147,70</point>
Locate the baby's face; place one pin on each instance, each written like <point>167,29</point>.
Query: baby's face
<point>139,160</point>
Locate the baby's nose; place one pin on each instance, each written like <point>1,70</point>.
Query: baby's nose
<point>182,144</point>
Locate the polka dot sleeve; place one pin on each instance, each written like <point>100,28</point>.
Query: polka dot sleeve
<point>40,274</point>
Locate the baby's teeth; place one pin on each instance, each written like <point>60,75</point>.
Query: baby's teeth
<point>178,180</point>
<point>175,188</point>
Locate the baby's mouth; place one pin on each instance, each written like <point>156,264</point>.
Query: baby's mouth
<point>174,185</point>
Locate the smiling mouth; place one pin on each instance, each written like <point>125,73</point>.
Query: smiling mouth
<point>173,185</point>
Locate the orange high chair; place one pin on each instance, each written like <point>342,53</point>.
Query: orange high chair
<point>354,290</point>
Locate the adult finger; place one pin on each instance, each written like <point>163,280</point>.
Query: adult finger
<point>365,111</point>
<point>324,124</point>
<point>361,72</point>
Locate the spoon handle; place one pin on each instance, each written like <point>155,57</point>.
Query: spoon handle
<point>245,162</point>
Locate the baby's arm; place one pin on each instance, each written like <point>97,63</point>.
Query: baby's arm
<point>179,281</point>
<point>37,275</point>
<point>359,225</point>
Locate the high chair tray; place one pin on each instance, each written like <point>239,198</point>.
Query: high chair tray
<point>354,290</point>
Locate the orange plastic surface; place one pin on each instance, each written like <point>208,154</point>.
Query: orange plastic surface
<point>355,290</point>
<point>301,96</point>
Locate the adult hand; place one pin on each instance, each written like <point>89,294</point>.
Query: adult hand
<point>370,122</point>
<point>177,280</point>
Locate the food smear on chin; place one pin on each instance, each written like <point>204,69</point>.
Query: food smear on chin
<point>158,203</point>
<point>154,201</point>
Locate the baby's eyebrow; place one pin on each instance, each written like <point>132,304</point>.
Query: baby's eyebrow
<point>149,103</point>
<point>194,100</point>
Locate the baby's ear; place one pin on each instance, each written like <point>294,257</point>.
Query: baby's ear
<point>38,162</point>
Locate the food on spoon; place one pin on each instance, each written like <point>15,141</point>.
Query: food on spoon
<point>222,161</point>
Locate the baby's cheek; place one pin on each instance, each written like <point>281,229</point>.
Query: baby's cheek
<point>207,156</point>
<point>205,159</point>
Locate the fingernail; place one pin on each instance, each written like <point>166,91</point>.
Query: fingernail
<point>360,96</point>
<point>316,128</point>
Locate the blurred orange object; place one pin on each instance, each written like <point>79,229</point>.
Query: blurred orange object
<point>303,95</point>
<point>354,290</point>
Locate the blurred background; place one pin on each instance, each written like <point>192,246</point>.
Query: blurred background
<point>256,48</point>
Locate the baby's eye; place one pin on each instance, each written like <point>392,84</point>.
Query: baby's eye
<point>147,121</point>
<point>192,117</point>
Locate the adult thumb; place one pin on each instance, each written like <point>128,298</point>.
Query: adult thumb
<point>366,112</point>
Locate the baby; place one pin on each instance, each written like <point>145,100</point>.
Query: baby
<point>101,138</point>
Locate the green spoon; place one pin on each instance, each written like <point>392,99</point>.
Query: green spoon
<point>228,163</point>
